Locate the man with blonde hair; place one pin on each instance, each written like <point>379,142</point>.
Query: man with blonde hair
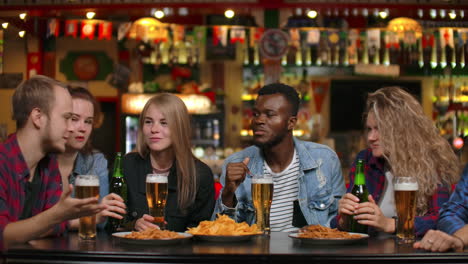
<point>32,204</point>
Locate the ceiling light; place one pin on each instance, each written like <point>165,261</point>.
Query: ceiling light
<point>90,15</point>
<point>22,16</point>
<point>452,14</point>
<point>420,13</point>
<point>442,13</point>
<point>433,13</point>
<point>5,25</point>
<point>312,14</point>
<point>159,14</point>
<point>229,13</point>
<point>183,11</point>
<point>365,12</point>
<point>21,33</point>
<point>298,11</point>
<point>383,14</point>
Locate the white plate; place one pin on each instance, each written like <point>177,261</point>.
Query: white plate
<point>163,241</point>
<point>329,241</point>
<point>225,238</point>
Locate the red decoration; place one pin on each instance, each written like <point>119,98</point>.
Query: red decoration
<point>87,29</point>
<point>34,64</point>
<point>105,30</point>
<point>71,28</point>
<point>53,27</point>
<point>320,90</point>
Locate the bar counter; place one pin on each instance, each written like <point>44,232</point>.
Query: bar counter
<point>278,248</point>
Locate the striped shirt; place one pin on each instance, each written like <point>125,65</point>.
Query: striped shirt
<point>285,191</point>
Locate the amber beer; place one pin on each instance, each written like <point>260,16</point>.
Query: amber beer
<point>156,195</point>
<point>262,195</point>
<point>405,200</point>
<point>87,186</point>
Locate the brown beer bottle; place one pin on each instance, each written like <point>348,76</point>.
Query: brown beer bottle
<point>117,186</point>
<point>360,191</point>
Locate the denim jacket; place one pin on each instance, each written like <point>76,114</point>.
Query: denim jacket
<point>321,183</point>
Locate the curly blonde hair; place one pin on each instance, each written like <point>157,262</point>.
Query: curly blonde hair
<point>412,144</point>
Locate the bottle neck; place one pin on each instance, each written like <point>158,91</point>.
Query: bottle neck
<point>359,178</point>
<point>118,167</point>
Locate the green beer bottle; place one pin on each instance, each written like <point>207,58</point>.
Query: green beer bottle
<point>360,191</point>
<point>117,186</point>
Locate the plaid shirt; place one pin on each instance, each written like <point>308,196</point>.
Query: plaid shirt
<point>375,182</point>
<point>454,213</point>
<point>14,174</point>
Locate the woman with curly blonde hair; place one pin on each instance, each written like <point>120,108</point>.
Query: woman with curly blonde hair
<point>402,141</point>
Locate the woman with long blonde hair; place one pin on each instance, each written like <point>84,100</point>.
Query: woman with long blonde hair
<point>403,141</point>
<point>164,147</point>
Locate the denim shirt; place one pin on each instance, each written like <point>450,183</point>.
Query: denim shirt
<point>321,183</point>
<point>95,163</point>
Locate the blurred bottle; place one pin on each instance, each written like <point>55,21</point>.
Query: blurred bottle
<point>360,191</point>
<point>117,186</point>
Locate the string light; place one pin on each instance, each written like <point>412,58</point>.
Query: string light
<point>90,15</point>
<point>22,16</point>
<point>384,14</point>
<point>452,14</point>
<point>312,14</point>
<point>183,11</point>
<point>229,13</point>
<point>420,13</point>
<point>21,33</point>
<point>442,13</point>
<point>433,13</point>
<point>159,14</point>
<point>5,25</point>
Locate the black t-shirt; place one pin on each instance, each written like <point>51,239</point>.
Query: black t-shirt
<point>32,192</point>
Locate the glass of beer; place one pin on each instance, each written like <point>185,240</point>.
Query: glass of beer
<point>262,195</point>
<point>156,195</point>
<point>405,199</point>
<point>87,186</point>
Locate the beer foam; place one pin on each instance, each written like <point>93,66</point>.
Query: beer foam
<point>406,187</point>
<point>266,180</point>
<point>87,180</point>
<point>156,178</point>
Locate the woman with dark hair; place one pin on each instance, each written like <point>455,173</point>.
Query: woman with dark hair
<point>164,147</point>
<point>402,141</point>
<point>80,157</point>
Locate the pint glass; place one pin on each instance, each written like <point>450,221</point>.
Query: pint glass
<point>156,195</point>
<point>262,195</point>
<point>405,200</point>
<point>87,186</point>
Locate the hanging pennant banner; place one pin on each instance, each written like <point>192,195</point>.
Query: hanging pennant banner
<point>447,37</point>
<point>320,91</point>
<point>237,34</point>
<point>71,28</point>
<point>34,65</point>
<point>87,29</point>
<point>199,35</point>
<point>123,30</point>
<point>105,31</point>
<point>178,33</point>
<point>52,27</point>
<point>313,37</point>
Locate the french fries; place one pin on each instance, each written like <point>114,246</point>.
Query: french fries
<point>318,231</point>
<point>153,233</point>
<point>223,226</point>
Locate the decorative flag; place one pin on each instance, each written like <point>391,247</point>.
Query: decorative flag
<point>34,65</point>
<point>199,35</point>
<point>333,37</point>
<point>105,30</point>
<point>313,37</point>
<point>255,35</point>
<point>391,40</point>
<point>161,34</point>
<point>220,35</point>
<point>295,37</point>
<point>320,90</point>
<point>409,37</point>
<point>237,34</point>
<point>87,29</point>
<point>178,33</point>
<point>373,38</point>
<point>427,39</point>
<point>123,30</point>
<point>71,28</point>
<point>52,27</point>
<point>447,37</point>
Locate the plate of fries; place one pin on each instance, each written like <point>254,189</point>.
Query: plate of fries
<point>152,237</point>
<point>317,234</point>
<point>224,229</point>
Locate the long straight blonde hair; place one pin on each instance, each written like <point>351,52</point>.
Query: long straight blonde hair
<point>412,144</point>
<point>178,120</point>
